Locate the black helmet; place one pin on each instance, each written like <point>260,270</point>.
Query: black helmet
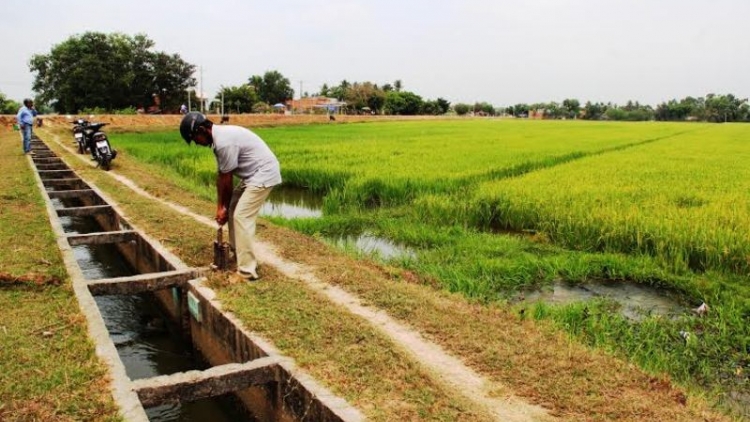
<point>189,125</point>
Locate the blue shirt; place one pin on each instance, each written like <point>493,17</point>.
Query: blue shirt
<point>25,116</point>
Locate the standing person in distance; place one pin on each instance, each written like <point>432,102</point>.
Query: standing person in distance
<point>239,152</point>
<point>25,118</point>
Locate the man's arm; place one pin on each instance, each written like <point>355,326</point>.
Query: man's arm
<point>224,191</point>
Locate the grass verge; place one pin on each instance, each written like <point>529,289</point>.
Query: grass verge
<point>49,370</point>
<point>532,358</point>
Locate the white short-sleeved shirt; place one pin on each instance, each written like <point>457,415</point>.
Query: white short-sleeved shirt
<point>244,154</point>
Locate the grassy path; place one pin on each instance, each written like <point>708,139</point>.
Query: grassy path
<point>49,370</point>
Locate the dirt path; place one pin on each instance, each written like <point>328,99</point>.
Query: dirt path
<point>447,369</point>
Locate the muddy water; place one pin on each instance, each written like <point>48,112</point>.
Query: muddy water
<point>96,261</point>
<point>76,224</point>
<point>217,409</point>
<point>636,301</point>
<point>372,245</point>
<point>287,202</point>
<point>148,343</point>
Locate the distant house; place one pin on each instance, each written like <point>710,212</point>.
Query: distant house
<point>310,105</point>
<point>537,114</point>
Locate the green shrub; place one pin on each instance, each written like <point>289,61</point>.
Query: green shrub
<point>462,109</point>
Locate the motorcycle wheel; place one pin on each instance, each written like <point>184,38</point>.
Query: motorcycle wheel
<point>105,164</point>
<point>80,148</point>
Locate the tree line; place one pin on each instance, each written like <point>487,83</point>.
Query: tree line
<point>360,97</point>
<point>121,73</point>
<point>711,108</point>
<point>109,71</point>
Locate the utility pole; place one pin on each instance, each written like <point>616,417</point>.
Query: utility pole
<point>222,102</point>
<point>300,90</point>
<point>203,100</point>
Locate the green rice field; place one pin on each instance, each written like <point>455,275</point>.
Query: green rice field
<point>496,208</point>
<point>394,162</point>
<point>684,199</point>
<point>672,192</point>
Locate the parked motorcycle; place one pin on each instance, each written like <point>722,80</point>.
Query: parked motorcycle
<point>99,145</point>
<point>79,134</point>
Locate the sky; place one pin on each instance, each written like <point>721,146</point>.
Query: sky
<point>502,52</point>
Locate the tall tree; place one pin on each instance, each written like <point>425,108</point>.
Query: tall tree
<point>169,75</point>
<point>461,109</point>
<point>723,108</point>
<point>110,71</point>
<point>435,108</point>
<point>712,108</point>
<point>256,81</point>
<point>521,110</point>
<point>8,106</point>
<point>238,99</point>
<point>340,91</point>
<point>443,105</point>
<point>366,94</point>
<point>572,107</point>
<point>484,108</point>
<point>402,103</point>
<point>594,111</point>
<point>272,87</point>
<point>324,90</point>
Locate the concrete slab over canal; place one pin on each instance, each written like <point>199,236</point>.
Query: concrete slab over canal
<point>233,362</point>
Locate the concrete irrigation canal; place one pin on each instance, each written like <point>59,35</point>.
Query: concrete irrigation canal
<point>172,353</point>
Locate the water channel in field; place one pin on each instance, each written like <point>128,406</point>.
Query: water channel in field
<point>290,203</point>
<point>636,301</point>
<point>147,341</point>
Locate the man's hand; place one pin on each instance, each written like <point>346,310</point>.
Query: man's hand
<point>222,216</point>
<point>224,190</point>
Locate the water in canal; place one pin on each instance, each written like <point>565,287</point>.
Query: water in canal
<point>148,343</point>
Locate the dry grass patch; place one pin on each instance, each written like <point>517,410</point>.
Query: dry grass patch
<point>530,358</point>
<point>345,352</point>
<point>27,241</point>
<point>34,279</point>
<point>49,369</point>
